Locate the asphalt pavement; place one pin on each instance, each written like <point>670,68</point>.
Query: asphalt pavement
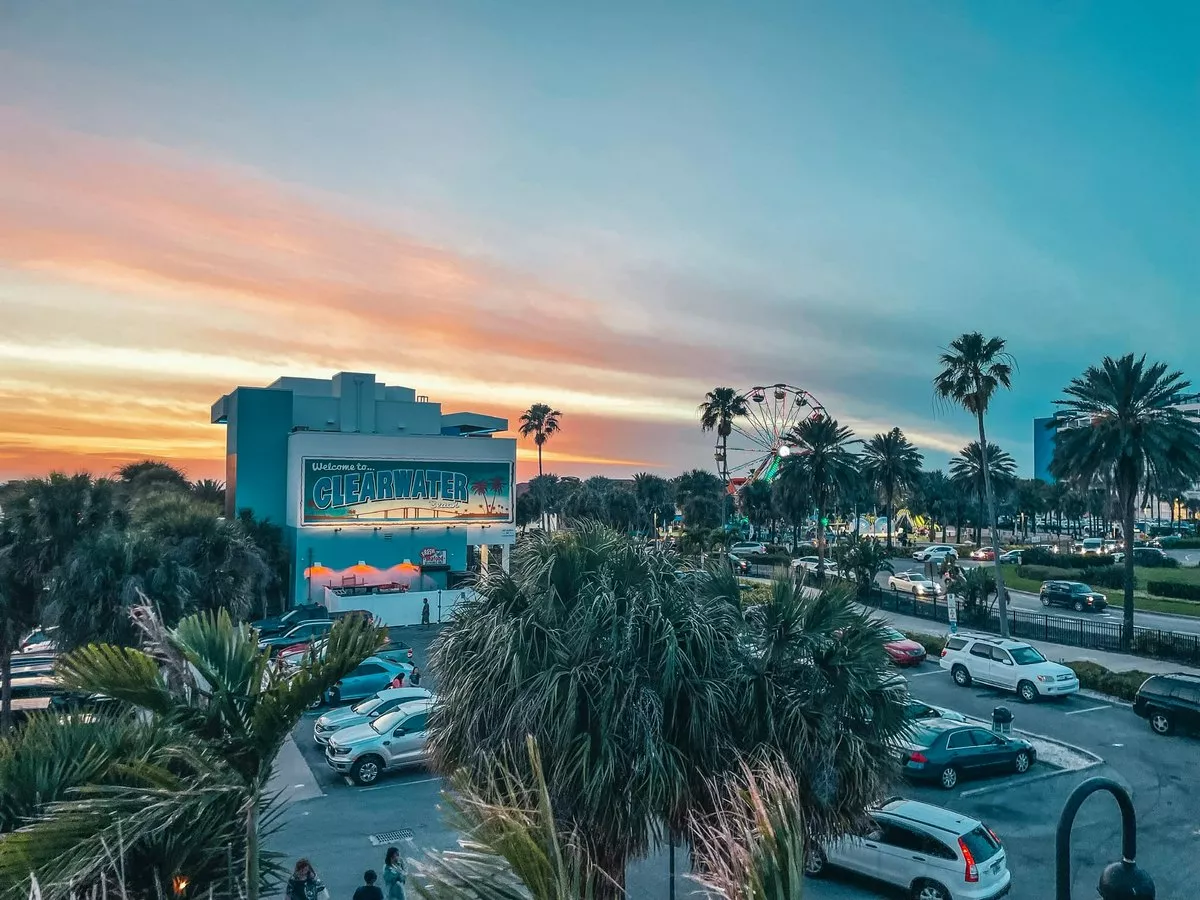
<point>345,829</point>
<point>1031,603</point>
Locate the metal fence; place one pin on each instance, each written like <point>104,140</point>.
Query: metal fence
<point>1072,631</point>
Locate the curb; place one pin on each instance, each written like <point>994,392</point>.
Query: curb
<point>1045,776</point>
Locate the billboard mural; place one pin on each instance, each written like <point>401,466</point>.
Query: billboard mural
<point>406,492</point>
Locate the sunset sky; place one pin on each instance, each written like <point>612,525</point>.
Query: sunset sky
<point>608,207</point>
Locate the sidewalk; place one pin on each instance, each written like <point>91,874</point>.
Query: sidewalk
<point>1115,662</point>
<point>292,778</point>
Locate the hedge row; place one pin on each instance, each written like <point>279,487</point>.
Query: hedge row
<point>1177,589</point>
<point>1097,576</point>
<point>933,643</point>
<point>1182,544</point>
<point>1095,677</point>
<point>1040,556</point>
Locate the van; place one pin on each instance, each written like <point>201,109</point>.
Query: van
<point>1089,547</point>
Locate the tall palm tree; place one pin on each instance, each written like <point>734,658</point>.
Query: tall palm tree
<point>209,490</point>
<point>894,465</point>
<point>973,369</point>
<point>934,500</point>
<point>977,470</point>
<point>655,499</point>
<point>720,407</point>
<point>1121,420</point>
<point>755,501</point>
<point>540,420</point>
<point>822,454</point>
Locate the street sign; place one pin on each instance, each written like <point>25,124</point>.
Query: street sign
<point>952,612</point>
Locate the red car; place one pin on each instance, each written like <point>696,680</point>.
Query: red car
<point>984,554</point>
<point>901,650</point>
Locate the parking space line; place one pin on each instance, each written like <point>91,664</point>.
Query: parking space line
<point>927,674</point>
<point>1076,712</point>
<point>397,784</point>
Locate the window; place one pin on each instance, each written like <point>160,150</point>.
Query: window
<point>955,644</point>
<point>983,738</point>
<point>1001,656</point>
<point>1080,589</point>
<point>982,844</point>
<point>931,846</point>
<point>368,669</point>
<point>415,723</point>
<point>1027,656</point>
<point>960,740</point>
<point>982,650</point>
<point>898,836</point>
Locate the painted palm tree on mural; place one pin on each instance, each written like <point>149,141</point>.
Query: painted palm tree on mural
<point>1122,421</point>
<point>720,407</point>
<point>541,421</point>
<point>973,368</point>
<point>480,489</point>
<point>894,465</point>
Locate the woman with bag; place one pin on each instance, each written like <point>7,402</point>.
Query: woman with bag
<point>394,875</point>
<point>304,883</point>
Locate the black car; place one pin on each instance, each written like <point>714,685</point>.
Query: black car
<point>944,751</point>
<point>1170,701</point>
<point>1074,594</point>
<point>279,624</point>
<point>302,633</point>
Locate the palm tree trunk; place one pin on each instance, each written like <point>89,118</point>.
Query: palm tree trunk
<point>1128,515</point>
<point>889,524</point>
<point>5,690</point>
<point>539,446</point>
<point>252,847</point>
<point>1001,593</point>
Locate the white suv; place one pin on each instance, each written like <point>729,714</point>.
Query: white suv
<point>930,852</point>
<point>1009,665</point>
<point>749,548</point>
<point>936,553</point>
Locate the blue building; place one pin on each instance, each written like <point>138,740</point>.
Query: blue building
<point>375,487</point>
<point>1043,448</point>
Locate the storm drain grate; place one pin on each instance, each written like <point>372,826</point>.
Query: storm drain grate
<point>390,837</point>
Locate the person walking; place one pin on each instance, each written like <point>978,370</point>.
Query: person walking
<point>394,874</point>
<point>369,889</point>
<point>425,613</point>
<point>304,883</point>
<point>414,677</point>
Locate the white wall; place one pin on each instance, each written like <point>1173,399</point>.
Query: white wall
<point>400,609</point>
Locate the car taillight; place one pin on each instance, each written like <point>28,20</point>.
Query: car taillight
<point>943,653</point>
<point>918,757</point>
<point>995,837</point>
<point>971,875</point>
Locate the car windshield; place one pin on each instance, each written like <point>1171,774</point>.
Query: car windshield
<point>982,844</point>
<point>386,722</point>
<point>891,634</point>
<point>1081,589</point>
<point>368,706</point>
<point>1026,656</point>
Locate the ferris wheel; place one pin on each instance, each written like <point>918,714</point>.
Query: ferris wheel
<point>760,439</point>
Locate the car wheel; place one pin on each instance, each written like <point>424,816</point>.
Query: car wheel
<point>366,770</point>
<point>930,890</point>
<point>1027,692</point>
<point>1022,762</point>
<point>1045,600</point>
<point>318,703</point>
<point>961,676</point>
<point>815,862</point>
<point>1161,723</point>
<point>1078,606</point>
<point>949,777</point>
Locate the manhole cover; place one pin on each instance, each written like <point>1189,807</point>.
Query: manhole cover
<point>390,837</point>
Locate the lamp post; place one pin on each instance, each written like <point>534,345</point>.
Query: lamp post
<point>1120,881</point>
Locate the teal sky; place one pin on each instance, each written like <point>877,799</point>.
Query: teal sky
<point>703,193</point>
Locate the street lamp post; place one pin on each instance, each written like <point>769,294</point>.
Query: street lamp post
<point>1120,881</point>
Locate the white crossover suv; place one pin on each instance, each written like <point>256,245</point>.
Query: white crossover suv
<point>1008,665</point>
<point>915,583</point>
<point>929,852</point>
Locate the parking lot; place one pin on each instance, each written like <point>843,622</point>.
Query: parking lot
<point>346,828</point>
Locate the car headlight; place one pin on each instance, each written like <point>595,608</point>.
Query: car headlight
<point>1044,678</point>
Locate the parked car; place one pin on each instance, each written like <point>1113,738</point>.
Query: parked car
<point>739,565</point>
<point>1151,557</point>
<point>363,712</point>
<point>1169,701</point>
<point>748,548</point>
<point>1074,594</point>
<point>983,554</point>
<point>810,564</point>
<point>935,553</point>
<point>930,853</point>
<point>39,641</point>
<point>1012,557</point>
<point>1006,664</point>
<point>392,741</point>
<point>916,583</point>
<point>919,711</point>
<point>274,625</point>
<point>902,651</point>
<point>371,675</point>
<point>945,752</point>
<point>300,635</point>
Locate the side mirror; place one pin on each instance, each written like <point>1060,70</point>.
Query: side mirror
<point>399,732</point>
<point>1008,662</point>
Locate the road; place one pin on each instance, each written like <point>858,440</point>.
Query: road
<point>1031,603</point>
<point>336,828</point>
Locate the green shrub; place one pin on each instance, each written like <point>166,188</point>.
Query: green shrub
<point>1154,561</point>
<point>1178,589</point>
<point>1187,543</point>
<point>933,643</point>
<point>769,559</point>
<point>754,593</point>
<point>1040,556</point>
<point>1106,576</point>
<point>1095,677</point>
<point>1044,573</point>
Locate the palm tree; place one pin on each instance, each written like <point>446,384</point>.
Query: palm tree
<point>934,500</point>
<point>978,470</point>
<point>655,499</point>
<point>208,682</point>
<point>755,500</point>
<point>822,454</point>
<point>209,490</point>
<point>720,407</point>
<point>894,464</point>
<point>973,368</point>
<point>791,498</point>
<point>1122,421</point>
<point>541,421</point>
<point>626,725</point>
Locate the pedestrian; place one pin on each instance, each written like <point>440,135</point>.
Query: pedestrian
<point>369,890</point>
<point>425,613</point>
<point>304,883</point>
<point>394,874</point>
<point>398,681</point>
<point>414,677</point>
